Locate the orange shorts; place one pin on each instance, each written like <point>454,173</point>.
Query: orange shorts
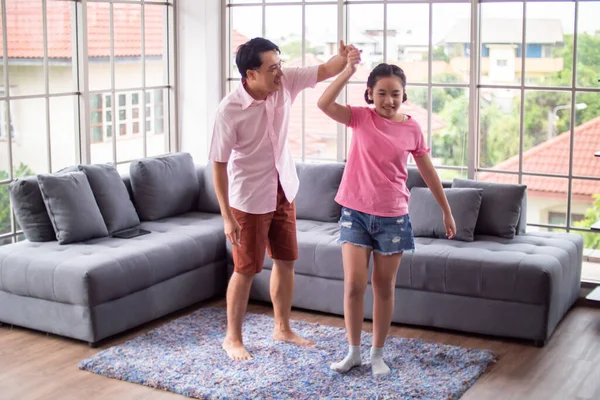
<point>275,232</point>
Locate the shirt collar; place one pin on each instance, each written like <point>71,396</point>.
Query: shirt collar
<point>245,97</point>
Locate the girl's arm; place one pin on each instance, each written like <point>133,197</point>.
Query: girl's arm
<point>327,103</point>
<point>432,180</point>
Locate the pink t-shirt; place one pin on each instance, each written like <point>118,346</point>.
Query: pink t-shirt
<point>374,180</point>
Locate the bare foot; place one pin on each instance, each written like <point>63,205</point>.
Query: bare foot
<point>235,350</point>
<point>291,337</point>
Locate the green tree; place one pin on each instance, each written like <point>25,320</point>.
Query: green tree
<point>21,171</point>
<point>592,215</point>
<point>451,143</point>
<point>498,129</point>
<point>438,54</point>
<point>293,50</point>
<point>440,96</point>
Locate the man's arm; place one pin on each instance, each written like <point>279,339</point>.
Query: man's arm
<point>335,65</point>
<point>221,182</point>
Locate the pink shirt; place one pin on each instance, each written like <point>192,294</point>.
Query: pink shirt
<point>252,136</point>
<point>374,180</point>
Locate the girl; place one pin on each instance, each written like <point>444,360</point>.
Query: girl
<point>374,200</point>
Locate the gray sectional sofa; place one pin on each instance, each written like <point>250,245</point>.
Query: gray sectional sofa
<point>517,287</point>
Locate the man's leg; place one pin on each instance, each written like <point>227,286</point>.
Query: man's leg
<point>283,249</point>
<point>248,259</point>
<point>238,292</point>
<point>282,293</point>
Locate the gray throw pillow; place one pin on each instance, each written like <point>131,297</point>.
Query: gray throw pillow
<point>427,217</point>
<point>319,184</point>
<point>30,209</point>
<point>164,186</point>
<point>72,207</point>
<point>112,197</point>
<point>500,207</point>
<point>207,199</point>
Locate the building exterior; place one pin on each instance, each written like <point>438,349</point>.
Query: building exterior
<point>124,117</point>
<point>547,196</point>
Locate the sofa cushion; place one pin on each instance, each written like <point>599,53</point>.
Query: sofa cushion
<point>72,207</point>
<point>207,198</point>
<point>164,186</point>
<point>105,269</point>
<point>319,184</point>
<point>427,217</point>
<point>500,207</point>
<point>30,209</point>
<point>112,197</point>
<point>522,269</point>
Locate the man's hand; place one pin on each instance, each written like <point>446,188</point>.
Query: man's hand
<point>232,231</point>
<point>336,64</point>
<point>343,50</point>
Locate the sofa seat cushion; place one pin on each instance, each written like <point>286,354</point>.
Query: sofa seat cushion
<point>104,269</point>
<point>523,269</point>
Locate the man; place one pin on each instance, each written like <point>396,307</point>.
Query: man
<point>256,198</point>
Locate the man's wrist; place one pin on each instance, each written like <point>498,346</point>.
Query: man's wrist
<point>227,215</point>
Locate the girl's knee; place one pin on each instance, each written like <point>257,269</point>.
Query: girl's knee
<point>355,289</point>
<point>383,288</point>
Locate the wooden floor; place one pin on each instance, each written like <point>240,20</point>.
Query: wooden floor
<point>36,366</point>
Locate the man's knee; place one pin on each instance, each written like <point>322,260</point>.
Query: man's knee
<point>243,280</point>
<point>284,264</point>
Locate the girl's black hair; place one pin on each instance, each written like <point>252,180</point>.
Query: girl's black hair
<point>381,71</point>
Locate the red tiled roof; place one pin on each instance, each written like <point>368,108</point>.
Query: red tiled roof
<point>237,39</point>
<point>552,157</point>
<point>24,23</point>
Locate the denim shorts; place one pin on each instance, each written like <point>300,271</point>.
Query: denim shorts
<point>385,235</point>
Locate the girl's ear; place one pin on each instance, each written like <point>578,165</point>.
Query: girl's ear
<point>370,93</point>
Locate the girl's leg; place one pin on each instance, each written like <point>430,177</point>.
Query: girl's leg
<point>383,282</point>
<point>356,275</point>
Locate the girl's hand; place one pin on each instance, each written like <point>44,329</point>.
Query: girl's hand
<point>450,225</point>
<point>353,61</point>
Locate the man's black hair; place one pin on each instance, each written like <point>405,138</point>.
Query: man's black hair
<point>249,54</point>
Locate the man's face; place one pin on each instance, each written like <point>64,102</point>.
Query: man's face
<point>268,76</point>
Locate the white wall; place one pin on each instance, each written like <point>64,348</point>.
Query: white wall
<point>200,73</point>
<point>538,208</point>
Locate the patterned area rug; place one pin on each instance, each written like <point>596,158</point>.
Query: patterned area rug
<point>185,357</point>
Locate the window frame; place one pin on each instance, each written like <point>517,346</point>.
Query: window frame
<point>478,52</point>
<point>80,66</point>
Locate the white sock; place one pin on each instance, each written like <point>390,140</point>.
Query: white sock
<point>377,364</point>
<point>352,360</point>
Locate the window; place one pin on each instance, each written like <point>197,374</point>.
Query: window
<point>59,121</point>
<point>96,112</point>
<point>3,130</point>
<point>557,218</point>
<point>519,124</point>
<point>534,50</point>
<point>129,115</point>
